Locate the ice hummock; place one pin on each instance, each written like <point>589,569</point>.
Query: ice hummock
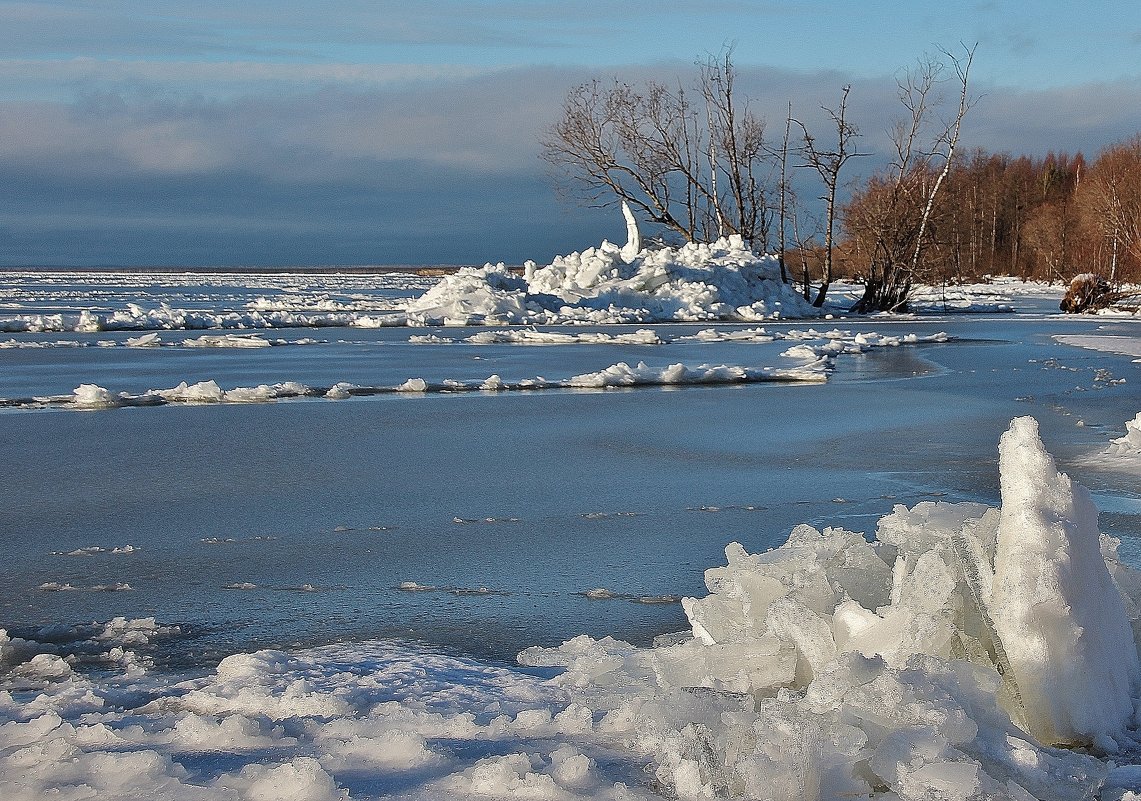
<point>1055,605</point>
<point>1130,444</point>
<point>722,280</point>
<point>944,658</point>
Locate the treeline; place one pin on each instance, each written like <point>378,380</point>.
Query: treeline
<point>698,163</point>
<point>1036,218</point>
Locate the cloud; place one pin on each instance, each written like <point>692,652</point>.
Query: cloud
<point>60,78</point>
<point>444,170</point>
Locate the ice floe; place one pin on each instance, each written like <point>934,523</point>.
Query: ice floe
<point>811,361</point>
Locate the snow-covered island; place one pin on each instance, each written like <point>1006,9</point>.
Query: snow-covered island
<point>722,280</point>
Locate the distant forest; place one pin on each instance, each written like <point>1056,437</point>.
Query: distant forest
<point>698,163</point>
<point>1039,218</point>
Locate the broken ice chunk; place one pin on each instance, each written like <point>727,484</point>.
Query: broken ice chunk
<point>1055,606</point>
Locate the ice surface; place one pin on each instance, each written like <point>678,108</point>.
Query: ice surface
<point>1125,345</point>
<point>811,360</point>
<point>834,666</point>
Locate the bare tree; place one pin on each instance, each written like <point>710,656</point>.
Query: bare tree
<point>804,240</point>
<point>1049,232</point>
<point>1110,200</point>
<point>829,163</point>
<point>737,153</point>
<point>784,195</point>
<point>893,215</point>
<point>697,169</point>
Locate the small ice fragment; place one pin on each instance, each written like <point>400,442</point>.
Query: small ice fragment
<point>413,385</point>
<point>412,586</point>
<point>145,341</point>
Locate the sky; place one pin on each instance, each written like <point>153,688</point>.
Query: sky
<point>136,132</point>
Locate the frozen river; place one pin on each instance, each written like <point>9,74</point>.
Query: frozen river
<point>479,520</point>
<point>345,495</point>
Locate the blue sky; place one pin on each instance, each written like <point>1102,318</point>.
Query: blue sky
<point>145,131</point>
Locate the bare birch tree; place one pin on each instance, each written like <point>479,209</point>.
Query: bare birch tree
<point>828,164</point>
<point>784,196</point>
<point>892,217</point>
<point>694,163</point>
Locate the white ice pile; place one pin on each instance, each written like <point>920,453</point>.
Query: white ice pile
<point>90,397</point>
<point>832,343</point>
<point>1129,445</point>
<point>533,336</point>
<point>947,658</point>
<point>93,396</point>
<point>624,375</point>
<point>719,281</point>
<point>153,340</point>
<point>135,317</point>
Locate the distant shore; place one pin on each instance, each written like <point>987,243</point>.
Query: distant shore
<point>366,269</point>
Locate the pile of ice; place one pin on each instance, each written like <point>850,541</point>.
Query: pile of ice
<point>832,343</point>
<point>949,657</point>
<point>807,367</point>
<point>1130,444</point>
<point>93,396</point>
<point>719,281</point>
<point>135,317</point>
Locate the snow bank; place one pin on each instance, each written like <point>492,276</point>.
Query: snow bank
<point>718,281</point>
<point>1123,454</point>
<point>1130,444</point>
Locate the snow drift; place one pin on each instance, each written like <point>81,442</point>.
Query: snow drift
<point>1130,444</point>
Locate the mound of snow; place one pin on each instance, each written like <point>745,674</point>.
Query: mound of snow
<point>719,281</point>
